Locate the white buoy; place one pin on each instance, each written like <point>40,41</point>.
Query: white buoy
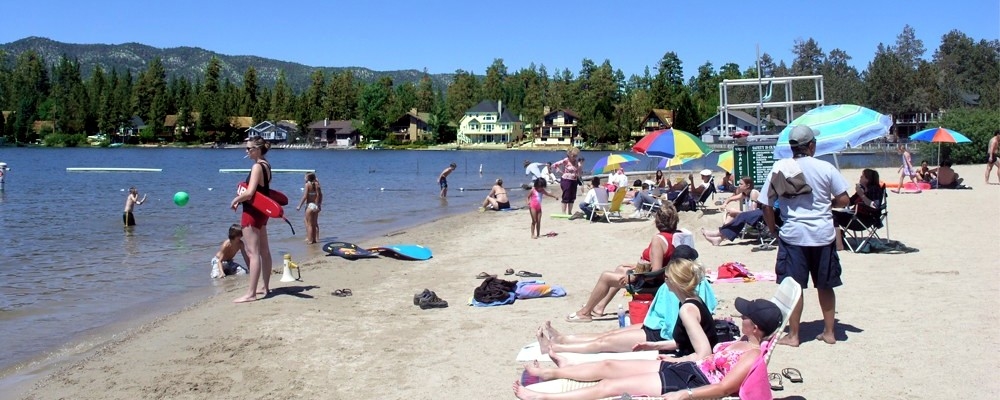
<point>382,189</point>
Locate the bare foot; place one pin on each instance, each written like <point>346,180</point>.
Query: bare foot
<point>551,333</point>
<point>715,241</point>
<point>263,292</point>
<point>245,299</point>
<point>523,393</point>
<point>895,190</point>
<point>556,358</point>
<point>535,369</point>
<point>826,337</point>
<point>543,342</point>
<point>789,340</point>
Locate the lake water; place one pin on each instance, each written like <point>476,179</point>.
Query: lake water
<point>71,276</point>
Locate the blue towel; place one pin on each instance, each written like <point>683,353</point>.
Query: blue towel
<point>510,300</point>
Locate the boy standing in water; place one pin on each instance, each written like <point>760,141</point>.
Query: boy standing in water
<point>222,263</point>
<point>443,179</point>
<point>130,202</point>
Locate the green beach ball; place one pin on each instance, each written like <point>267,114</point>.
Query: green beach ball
<point>181,198</point>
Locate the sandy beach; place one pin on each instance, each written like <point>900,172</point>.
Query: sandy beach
<point>909,325</point>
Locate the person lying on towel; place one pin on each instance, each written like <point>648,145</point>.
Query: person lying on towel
<point>705,374</point>
<point>659,324</point>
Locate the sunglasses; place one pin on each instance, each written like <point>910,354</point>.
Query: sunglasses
<point>251,148</point>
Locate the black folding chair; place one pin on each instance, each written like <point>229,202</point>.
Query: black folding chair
<point>864,224</point>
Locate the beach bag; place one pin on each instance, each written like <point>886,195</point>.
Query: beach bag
<point>733,269</point>
<point>726,331</point>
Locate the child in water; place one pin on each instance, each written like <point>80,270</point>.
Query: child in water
<point>222,263</point>
<point>535,206</point>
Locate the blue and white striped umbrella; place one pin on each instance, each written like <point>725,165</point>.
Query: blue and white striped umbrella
<point>840,127</point>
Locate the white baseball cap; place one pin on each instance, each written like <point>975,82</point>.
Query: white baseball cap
<point>706,172</point>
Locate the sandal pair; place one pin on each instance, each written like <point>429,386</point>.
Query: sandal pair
<point>484,275</point>
<point>342,292</point>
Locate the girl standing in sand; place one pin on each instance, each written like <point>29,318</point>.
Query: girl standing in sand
<point>906,170</point>
<point>254,222</point>
<point>535,206</point>
<point>312,198</point>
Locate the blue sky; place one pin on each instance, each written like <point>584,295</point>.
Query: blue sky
<point>446,35</point>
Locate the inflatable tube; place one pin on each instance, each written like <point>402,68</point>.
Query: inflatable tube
<point>346,250</point>
<point>907,185</point>
<point>263,203</point>
<point>414,252</point>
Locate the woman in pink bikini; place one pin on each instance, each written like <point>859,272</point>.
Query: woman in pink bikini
<point>535,206</point>
<point>715,375</point>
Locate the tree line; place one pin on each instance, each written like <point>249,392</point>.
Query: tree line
<point>962,73</point>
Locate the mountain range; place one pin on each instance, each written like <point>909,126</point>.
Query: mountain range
<point>190,63</point>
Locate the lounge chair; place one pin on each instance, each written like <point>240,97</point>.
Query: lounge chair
<point>701,202</point>
<point>601,194</point>
<point>612,209</point>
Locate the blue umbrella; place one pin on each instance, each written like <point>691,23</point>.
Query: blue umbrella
<point>840,126</point>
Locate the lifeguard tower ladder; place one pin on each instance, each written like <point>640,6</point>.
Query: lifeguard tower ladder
<point>765,87</point>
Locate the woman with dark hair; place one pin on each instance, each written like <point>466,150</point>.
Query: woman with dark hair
<point>312,198</point>
<point>659,180</point>
<point>866,203</point>
<point>254,222</point>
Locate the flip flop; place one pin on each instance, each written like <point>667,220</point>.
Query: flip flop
<point>576,318</point>
<point>550,234</point>
<point>509,271</point>
<point>339,293</point>
<point>484,275</point>
<point>772,377</point>
<point>347,292</point>
<point>792,374</point>
<point>527,274</point>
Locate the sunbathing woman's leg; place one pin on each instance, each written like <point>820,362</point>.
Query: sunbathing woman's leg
<point>644,383</point>
<point>555,337</point>
<point>597,370</point>
<point>605,283</point>
<point>618,341</point>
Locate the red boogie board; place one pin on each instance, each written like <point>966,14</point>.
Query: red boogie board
<point>269,205</point>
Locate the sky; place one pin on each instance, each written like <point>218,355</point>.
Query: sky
<point>446,35</point>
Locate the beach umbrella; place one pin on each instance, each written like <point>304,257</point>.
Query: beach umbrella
<point>939,135</point>
<point>840,126</point>
<point>671,162</point>
<point>671,143</point>
<point>726,161</point>
<point>613,162</point>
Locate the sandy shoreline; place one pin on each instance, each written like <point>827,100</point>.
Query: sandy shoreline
<point>911,325</point>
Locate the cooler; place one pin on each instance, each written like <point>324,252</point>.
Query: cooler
<point>638,307</point>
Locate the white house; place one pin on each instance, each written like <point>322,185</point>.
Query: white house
<point>489,122</point>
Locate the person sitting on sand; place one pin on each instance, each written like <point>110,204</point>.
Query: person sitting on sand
<point>497,198</point>
<point>947,178</point>
<point>706,374</point>
<point>222,263</point>
<point>744,192</point>
<point>727,183</point>
<point>658,325</point>
<point>654,258</point>
<point>925,174</point>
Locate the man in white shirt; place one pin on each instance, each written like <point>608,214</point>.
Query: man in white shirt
<point>596,194</point>
<point>806,189</point>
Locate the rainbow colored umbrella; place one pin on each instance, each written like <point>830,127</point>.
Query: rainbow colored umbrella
<point>671,162</point>
<point>613,162</point>
<point>840,126</point>
<point>726,161</point>
<point>671,143</point>
<point>939,135</point>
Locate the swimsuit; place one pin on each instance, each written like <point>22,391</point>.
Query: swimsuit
<point>907,168</point>
<point>252,216</point>
<point>311,197</point>
<point>535,200</point>
<point>228,268</point>
<point>443,182</point>
<point>128,219</point>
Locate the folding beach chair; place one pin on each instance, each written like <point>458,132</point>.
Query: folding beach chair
<point>613,208</point>
<point>701,202</point>
<point>863,225</point>
<point>683,200</point>
<point>601,194</point>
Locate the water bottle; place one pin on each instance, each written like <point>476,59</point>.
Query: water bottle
<point>621,316</point>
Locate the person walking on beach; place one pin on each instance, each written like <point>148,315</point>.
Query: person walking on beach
<point>805,190</point>
<point>130,202</point>
<point>906,170</point>
<point>570,168</point>
<point>535,206</point>
<point>993,156</point>
<point>312,198</point>
<point>443,179</point>
<point>254,222</point>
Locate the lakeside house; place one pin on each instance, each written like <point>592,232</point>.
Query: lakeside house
<point>410,127</point>
<point>489,122</point>
<point>274,132</point>
<point>339,134</point>
<point>711,130</point>
<point>558,128</point>
<point>656,119</point>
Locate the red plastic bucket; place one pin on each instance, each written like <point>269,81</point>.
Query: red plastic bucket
<point>637,310</point>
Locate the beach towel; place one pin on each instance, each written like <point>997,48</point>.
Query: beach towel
<point>534,289</point>
<point>760,276</point>
<point>882,246</point>
<point>509,300</point>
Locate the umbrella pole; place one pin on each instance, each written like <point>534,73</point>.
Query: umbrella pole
<point>836,162</point>
<point>939,154</point>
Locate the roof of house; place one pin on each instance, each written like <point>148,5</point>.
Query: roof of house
<point>340,126</point>
<point>490,106</point>
<point>171,120</point>
<point>241,122</point>
<point>137,122</point>
<point>565,111</point>
<point>663,114</point>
